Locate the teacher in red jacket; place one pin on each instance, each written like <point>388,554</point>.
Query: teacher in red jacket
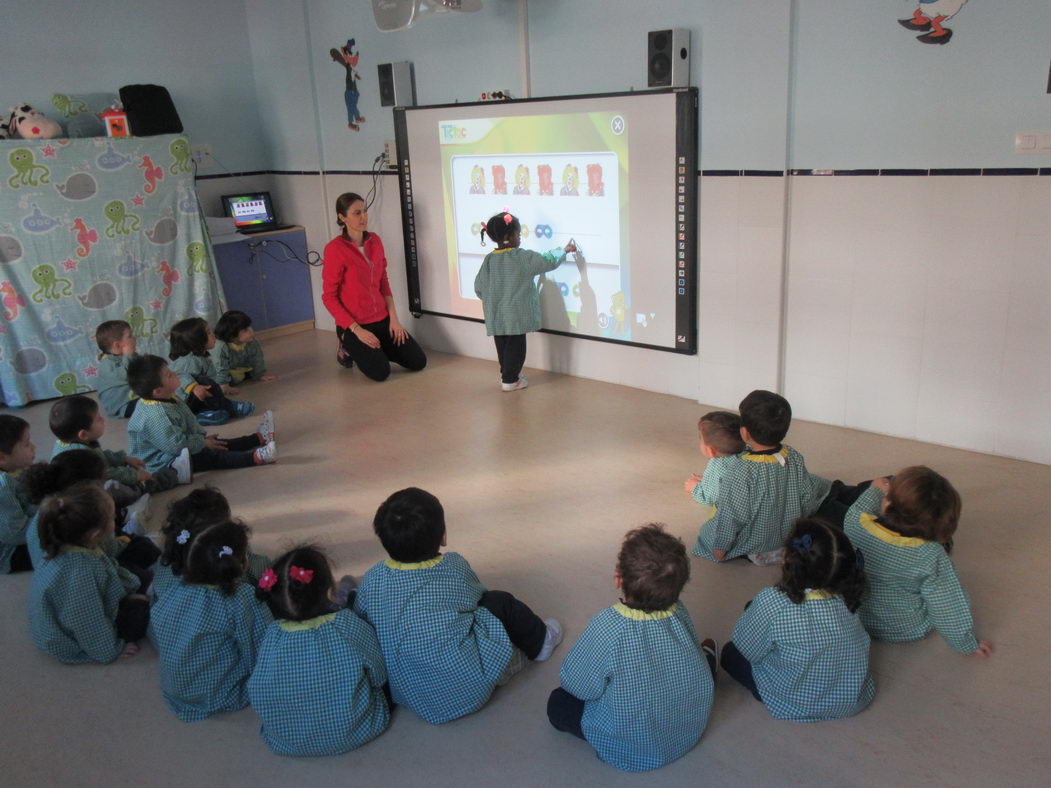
<point>358,295</point>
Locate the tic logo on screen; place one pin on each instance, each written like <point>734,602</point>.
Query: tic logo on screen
<point>248,210</point>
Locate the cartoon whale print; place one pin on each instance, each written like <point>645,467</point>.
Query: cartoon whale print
<point>100,296</point>
<point>79,186</point>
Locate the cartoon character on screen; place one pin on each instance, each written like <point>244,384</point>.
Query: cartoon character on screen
<point>347,58</point>
<point>543,174</point>
<point>521,180</point>
<point>570,179</point>
<point>477,180</point>
<point>618,310</point>
<point>499,179</point>
<point>595,186</point>
<point>928,16</point>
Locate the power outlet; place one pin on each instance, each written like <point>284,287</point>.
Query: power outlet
<point>202,155</point>
<point>500,94</point>
<point>390,155</point>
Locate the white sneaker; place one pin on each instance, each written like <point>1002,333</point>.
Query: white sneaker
<point>551,640</point>
<point>138,514</point>
<point>267,454</point>
<point>518,385</point>
<point>181,465</point>
<point>266,427</point>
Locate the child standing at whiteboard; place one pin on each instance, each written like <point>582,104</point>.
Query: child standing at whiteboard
<point>506,283</point>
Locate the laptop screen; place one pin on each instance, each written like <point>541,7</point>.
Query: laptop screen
<point>249,210</point>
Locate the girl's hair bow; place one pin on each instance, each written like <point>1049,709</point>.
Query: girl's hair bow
<point>301,575</point>
<point>802,544</point>
<point>268,580</point>
<point>225,551</point>
<point>183,537</point>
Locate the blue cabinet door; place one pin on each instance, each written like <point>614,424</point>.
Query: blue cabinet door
<point>242,281</point>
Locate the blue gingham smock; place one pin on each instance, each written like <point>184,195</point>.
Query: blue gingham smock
<point>759,500</point>
<point>158,430</point>
<point>318,685</point>
<point>810,661</point>
<point>110,545</point>
<point>189,368</point>
<point>73,602</point>
<point>112,383</point>
<point>207,643</point>
<point>706,491</point>
<point>444,654</point>
<point>15,513</point>
<point>646,685</point>
<point>506,283</point>
<point>164,579</point>
<point>117,467</point>
<point>913,585</point>
<point>233,360</point>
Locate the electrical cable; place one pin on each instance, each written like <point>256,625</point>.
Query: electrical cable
<point>377,166</point>
<point>258,247</point>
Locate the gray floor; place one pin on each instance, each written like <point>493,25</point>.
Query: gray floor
<point>539,487</point>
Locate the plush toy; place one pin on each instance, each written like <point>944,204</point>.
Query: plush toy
<point>24,122</point>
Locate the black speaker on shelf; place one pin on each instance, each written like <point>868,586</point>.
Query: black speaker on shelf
<point>668,58</point>
<point>397,84</point>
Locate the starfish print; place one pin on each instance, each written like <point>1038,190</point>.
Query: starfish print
<point>49,151</point>
<point>91,371</point>
<point>156,304</point>
<point>138,199</point>
<point>69,265</point>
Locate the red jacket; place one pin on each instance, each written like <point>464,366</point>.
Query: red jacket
<point>354,287</point>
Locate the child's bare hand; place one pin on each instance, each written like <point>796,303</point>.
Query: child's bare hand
<point>144,475</point>
<point>691,482</point>
<point>200,392</point>
<point>135,462</point>
<point>130,650</point>
<point>570,247</point>
<point>882,483</point>
<point>268,378</point>
<point>215,442</point>
<point>719,555</point>
<point>985,648</point>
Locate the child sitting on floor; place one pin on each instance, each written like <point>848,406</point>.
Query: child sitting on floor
<point>116,340</point>
<point>325,665</point>
<point>767,489</point>
<point>162,428</point>
<point>447,642</point>
<point>635,684</point>
<point>17,453</point>
<point>238,354</point>
<point>191,339</point>
<point>207,628</point>
<point>79,608</point>
<point>720,440</point>
<point>798,646</point>
<point>904,527</point>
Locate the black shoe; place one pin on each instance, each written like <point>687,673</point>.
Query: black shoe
<point>345,360</point>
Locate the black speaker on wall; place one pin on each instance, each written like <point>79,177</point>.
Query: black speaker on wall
<point>668,58</point>
<point>397,84</point>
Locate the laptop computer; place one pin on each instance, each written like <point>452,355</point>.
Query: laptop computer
<point>252,212</point>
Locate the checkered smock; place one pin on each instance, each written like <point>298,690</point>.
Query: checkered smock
<point>189,368</point>
<point>117,467</point>
<point>444,654</point>
<point>164,579</point>
<point>232,361</point>
<point>506,283</point>
<point>207,643</point>
<point>706,491</point>
<point>810,661</point>
<point>913,585</point>
<point>159,430</point>
<point>73,602</point>
<point>318,685</point>
<point>114,393</point>
<point>646,686</point>
<point>760,498</point>
<point>110,545</point>
<point>15,513</point>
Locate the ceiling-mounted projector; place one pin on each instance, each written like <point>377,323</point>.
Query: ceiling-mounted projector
<point>394,15</point>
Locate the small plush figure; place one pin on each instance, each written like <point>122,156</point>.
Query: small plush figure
<point>24,122</point>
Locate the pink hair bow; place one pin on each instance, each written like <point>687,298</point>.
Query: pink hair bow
<point>301,575</point>
<point>268,580</point>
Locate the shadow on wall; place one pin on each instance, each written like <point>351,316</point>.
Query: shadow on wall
<point>556,316</point>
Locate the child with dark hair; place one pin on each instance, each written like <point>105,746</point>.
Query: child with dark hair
<point>720,441</point>
<point>318,683</point>
<point>187,517</point>
<point>191,339</point>
<point>116,340</point>
<point>79,606</point>
<point>17,453</point>
<point>208,627</point>
<point>904,524</point>
<point>78,423</point>
<point>447,642</point>
<point>798,646</point>
<point>766,490</point>
<point>638,684</point>
<point>135,554</point>
<point>506,284</point>
<point>238,354</point>
<point>163,428</point>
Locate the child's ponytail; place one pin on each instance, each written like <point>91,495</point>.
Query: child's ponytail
<point>68,518</point>
<point>218,556</point>
<point>47,478</point>
<point>187,517</point>
<point>820,557</point>
<point>501,227</point>
<point>299,585</point>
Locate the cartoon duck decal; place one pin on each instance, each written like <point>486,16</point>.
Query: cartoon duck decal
<point>929,16</point>
<point>348,58</point>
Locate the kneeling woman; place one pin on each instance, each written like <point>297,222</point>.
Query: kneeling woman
<point>358,295</point>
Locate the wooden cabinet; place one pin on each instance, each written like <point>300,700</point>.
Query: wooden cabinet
<point>262,277</point>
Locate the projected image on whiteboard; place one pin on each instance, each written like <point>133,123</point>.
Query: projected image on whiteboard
<point>557,195</point>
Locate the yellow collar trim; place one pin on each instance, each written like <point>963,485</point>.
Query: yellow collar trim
<point>237,347</point>
<point>505,249</point>
<point>75,548</point>
<point>868,522</point>
<point>310,623</point>
<point>817,594</point>
<point>642,615</point>
<point>767,457</point>
<point>153,402</point>
<point>392,564</point>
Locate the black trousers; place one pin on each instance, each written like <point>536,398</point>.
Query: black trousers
<point>215,400</point>
<point>375,362</point>
<point>511,352</point>
<point>239,453</point>
<point>839,499</point>
<point>133,619</point>
<point>20,561</point>
<point>129,409</point>
<point>739,668</point>
<point>524,627</point>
